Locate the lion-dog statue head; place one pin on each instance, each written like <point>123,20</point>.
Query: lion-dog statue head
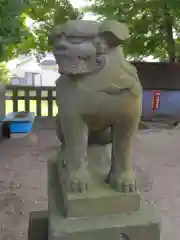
<point>79,46</point>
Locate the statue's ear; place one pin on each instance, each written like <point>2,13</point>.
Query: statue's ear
<point>50,39</point>
<point>114,32</point>
<point>55,32</point>
<point>51,36</point>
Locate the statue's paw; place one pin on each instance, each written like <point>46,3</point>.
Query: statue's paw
<point>80,181</point>
<point>125,183</point>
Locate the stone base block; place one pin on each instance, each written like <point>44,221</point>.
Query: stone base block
<point>100,200</point>
<point>38,226</point>
<point>139,225</point>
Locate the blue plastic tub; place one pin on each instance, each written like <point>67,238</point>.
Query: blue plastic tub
<point>20,122</point>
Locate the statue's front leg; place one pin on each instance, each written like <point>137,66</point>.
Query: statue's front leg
<point>121,176</point>
<point>75,133</point>
<point>59,132</point>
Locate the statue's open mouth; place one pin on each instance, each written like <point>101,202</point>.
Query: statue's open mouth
<point>73,62</point>
<point>66,55</point>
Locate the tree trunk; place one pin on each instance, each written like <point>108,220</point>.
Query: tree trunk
<point>168,25</point>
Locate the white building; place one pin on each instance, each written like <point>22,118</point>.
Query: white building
<point>49,71</point>
<point>27,71</point>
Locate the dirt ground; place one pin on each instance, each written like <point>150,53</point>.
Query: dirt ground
<point>23,180</point>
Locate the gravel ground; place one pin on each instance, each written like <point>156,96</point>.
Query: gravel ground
<point>23,181</point>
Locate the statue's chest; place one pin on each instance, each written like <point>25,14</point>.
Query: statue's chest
<point>69,91</point>
<point>70,95</point>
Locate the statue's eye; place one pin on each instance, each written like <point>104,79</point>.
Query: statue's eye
<point>76,40</point>
<point>79,40</point>
<point>58,36</point>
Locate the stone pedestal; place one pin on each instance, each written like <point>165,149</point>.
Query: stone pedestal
<point>101,213</point>
<point>98,201</point>
<point>139,225</point>
<point>134,226</point>
<point>38,225</point>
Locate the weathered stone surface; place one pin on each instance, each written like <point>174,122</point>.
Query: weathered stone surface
<point>140,225</point>
<point>38,225</point>
<point>136,226</point>
<point>99,98</point>
<point>100,200</point>
<point>94,137</point>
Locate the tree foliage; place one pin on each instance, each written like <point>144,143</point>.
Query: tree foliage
<point>12,27</point>
<point>4,73</point>
<point>153,24</point>
<point>46,14</point>
<point>16,38</point>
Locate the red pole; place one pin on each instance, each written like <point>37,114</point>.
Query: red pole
<point>152,114</point>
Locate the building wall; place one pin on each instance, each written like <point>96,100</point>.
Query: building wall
<point>161,75</point>
<point>14,81</point>
<point>169,105</point>
<point>18,81</point>
<point>28,66</point>
<point>49,76</point>
<point>29,78</point>
<point>37,80</point>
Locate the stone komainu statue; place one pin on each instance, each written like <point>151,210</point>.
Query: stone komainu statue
<point>98,94</point>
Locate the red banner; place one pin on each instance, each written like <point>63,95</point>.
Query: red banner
<point>155,101</point>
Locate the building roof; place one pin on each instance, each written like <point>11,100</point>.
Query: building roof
<point>48,62</point>
<point>14,75</point>
<point>23,59</point>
